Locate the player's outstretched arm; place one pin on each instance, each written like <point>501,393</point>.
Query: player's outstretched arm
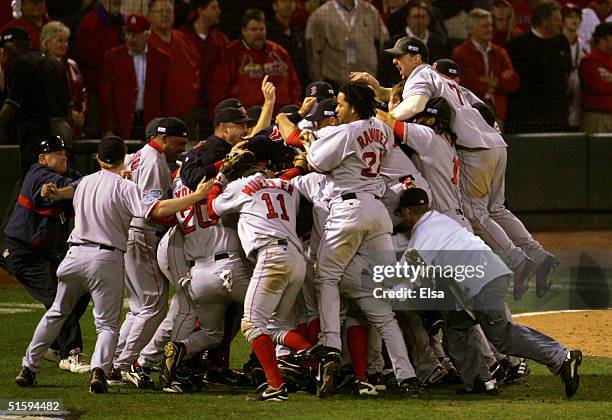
<point>171,206</point>
<point>51,192</point>
<point>409,107</point>
<point>382,93</point>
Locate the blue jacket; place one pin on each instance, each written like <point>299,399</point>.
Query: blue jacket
<point>38,222</point>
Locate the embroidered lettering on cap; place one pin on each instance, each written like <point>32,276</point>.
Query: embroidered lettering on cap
<point>453,71</point>
<point>432,110</point>
<point>329,113</point>
<point>161,129</point>
<point>413,48</point>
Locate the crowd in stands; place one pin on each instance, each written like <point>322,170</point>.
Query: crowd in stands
<point>542,67</point>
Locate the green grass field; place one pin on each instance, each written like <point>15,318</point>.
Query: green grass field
<point>541,397</point>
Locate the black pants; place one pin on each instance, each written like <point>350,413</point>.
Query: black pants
<point>36,272</point>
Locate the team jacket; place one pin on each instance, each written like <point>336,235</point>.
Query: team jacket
<point>596,92</point>
<point>36,221</point>
<point>184,76</point>
<point>242,70</point>
<point>97,33</point>
<point>118,89</point>
<point>472,65</point>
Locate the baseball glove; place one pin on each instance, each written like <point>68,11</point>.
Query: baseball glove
<point>299,161</point>
<point>236,163</point>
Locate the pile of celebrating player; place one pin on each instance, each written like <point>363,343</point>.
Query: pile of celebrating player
<point>274,230</point>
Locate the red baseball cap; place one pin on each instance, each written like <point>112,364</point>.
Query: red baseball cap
<point>137,23</point>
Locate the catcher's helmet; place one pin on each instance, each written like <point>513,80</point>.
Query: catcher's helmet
<point>52,144</point>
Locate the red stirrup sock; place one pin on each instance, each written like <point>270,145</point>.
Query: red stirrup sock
<point>265,351</point>
<point>314,328</point>
<point>295,341</point>
<point>357,343</point>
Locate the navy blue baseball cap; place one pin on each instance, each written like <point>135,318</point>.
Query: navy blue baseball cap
<point>52,144</point>
<point>172,126</point>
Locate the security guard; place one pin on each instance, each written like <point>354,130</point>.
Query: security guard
<point>36,236</point>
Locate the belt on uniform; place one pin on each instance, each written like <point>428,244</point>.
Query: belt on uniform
<point>282,242</point>
<point>159,234</point>
<point>459,212</point>
<point>101,246</point>
<point>221,256</point>
<point>353,196</point>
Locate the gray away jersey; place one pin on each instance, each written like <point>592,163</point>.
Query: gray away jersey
<point>471,129</point>
<point>104,205</point>
<point>351,155</point>
<point>151,173</point>
<point>440,165</point>
<point>268,210</point>
<point>204,237</point>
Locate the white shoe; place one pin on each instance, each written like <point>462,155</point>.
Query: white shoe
<point>75,363</point>
<point>52,356</point>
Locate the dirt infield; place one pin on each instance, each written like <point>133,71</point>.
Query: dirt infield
<point>588,331</point>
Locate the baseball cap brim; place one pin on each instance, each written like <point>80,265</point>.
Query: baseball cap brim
<point>395,51</point>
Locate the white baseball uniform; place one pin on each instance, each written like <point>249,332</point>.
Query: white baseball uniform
<point>220,275</point>
<point>146,287</point>
<point>483,155</point>
<point>268,211</point>
<point>104,205</point>
<point>351,155</point>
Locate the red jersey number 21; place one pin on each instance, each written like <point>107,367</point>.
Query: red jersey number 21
<point>272,214</point>
<point>371,159</point>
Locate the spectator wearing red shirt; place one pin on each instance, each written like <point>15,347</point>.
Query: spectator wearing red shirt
<point>133,83</point>
<point>596,78</point>
<point>99,31</point>
<point>184,93</point>
<point>523,9</point>
<point>6,12</point>
<point>247,61</point>
<point>486,68</point>
<point>33,17</point>
<point>504,28</point>
<point>211,43</point>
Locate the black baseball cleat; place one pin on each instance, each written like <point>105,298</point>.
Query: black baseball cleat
<point>436,376</point>
<point>326,374</point>
<point>97,383</point>
<point>172,358</point>
<point>411,387</point>
<point>25,377</point>
<point>378,380</point>
<point>499,369</point>
<point>178,385</point>
<point>569,372</point>
<point>363,388</point>
<point>227,377</point>
<point>522,274</point>
<point>140,376</point>
<point>316,352</point>
<point>517,374</point>
<point>544,273</point>
<point>267,393</point>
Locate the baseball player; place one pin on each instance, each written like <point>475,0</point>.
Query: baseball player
<point>352,155</point>
<point>146,286</point>
<point>482,152</point>
<point>94,264</point>
<point>268,211</point>
<point>219,276</point>
<point>439,240</point>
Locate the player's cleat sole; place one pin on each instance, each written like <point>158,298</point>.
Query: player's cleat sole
<point>569,372</point>
<point>172,358</point>
<point>97,383</point>
<point>25,377</point>
<point>326,373</point>
<point>522,274</point>
<point>436,376</point>
<point>268,393</point>
<point>544,272</point>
